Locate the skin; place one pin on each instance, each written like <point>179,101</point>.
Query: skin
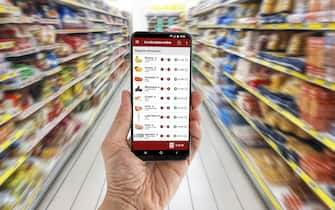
<point>133,183</point>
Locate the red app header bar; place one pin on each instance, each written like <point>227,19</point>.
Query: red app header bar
<point>161,42</point>
<point>160,145</point>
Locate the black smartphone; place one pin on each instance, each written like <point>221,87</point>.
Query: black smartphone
<point>161,95</point>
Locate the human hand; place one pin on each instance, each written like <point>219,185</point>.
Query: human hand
<point>133,183</point>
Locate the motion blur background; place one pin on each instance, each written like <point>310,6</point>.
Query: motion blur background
<point>266,70</point>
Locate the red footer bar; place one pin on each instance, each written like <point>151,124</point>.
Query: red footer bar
<point>160,145</point>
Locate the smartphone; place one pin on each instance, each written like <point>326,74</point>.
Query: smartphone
<point>161,95</point>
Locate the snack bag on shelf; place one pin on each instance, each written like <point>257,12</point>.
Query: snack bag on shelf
<point>284,6</point>
<point>315,56</point>
<point>5,131</point>
<point>317,106</point>
<point>272,167</point>
<point>268,7</point>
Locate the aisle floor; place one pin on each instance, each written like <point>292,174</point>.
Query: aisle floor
<point>215,179</point>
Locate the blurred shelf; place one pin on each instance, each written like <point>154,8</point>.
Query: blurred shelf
<point>10,170</point>
<point>324,138</point>
<point>49,47</point>
<point>207,76</point>
<point>90,117</point>
<point>77,4</point>
<point>33,80</point>
<point>35,107</point>
<point>95,20</point>
<point>99,62</point>
<point>98,52</point>
<point>73,56</point>
<point>7,45</point>
<point>283,26</point>
<point>9,9</point>
<point>36,139</point>
<point>52,71</point>
<point>29,51</point>
<point>116,24</point>
<point>47,21</point>
<point>22,52</point>
<point>280,68</point>
<point>313,185</point>
<point>100,42</point>
<point>213,26</point>
<point>205,58</point>
<point>8,76</point>
<point>101,84</point>
<point>292,72</point>
<point>4,118</point>
<point>16,20</point>
<point>14,137</point>
<point>116,67</point>
<point>96,76</point>
<point>123,44</point>
<point>216,6</point>
<point>36,78</point>
<point>114,32</point>
<point>263,187</point>
<point>207,43</point>
<point>23,84</point>
<point>80,31</point>
<point>125,52</point>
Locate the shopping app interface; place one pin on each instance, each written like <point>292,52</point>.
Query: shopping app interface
<point>161,94</point>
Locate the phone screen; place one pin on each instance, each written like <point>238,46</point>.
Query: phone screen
<point>161,94</point>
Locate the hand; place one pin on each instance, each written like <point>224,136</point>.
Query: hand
<point>133,183</point>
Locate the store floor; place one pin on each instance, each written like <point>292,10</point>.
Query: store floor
<point>215,179</point>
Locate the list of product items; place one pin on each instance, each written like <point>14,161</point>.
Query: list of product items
<point>161,94</point>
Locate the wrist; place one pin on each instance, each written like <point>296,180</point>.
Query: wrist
<point>116,204</point>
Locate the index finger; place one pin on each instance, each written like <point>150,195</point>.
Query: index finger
<point>196,99</point>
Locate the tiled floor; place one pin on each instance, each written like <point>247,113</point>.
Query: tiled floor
<point>215,179</point>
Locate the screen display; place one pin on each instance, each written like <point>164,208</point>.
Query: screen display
<point>161,93</point>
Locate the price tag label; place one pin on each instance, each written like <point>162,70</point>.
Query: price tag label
<point>5,118</point>
<point>298,26</point>
<point>284,26</point>
<point>316,26</point>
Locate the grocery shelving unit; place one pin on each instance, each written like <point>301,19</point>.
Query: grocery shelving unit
<point>268,192</point>
<point>59,164</point>
<point>274,201</point>
<point>101,71</point>
<point>159,21</point>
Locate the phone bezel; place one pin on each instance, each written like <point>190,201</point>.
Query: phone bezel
<point>153,155</point>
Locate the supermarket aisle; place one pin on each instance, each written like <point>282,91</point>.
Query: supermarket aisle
<point>214,181</point>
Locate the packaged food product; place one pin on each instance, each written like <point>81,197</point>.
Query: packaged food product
<point>277,81</point>
<point>6,130</point>
<point>268,7</point>
<point>315,56</point>
<point>284,6</point>
<point>292,87</point>
<point>63,50</point>
<point>272,167</point>
<point>248,103</point>
<point>297,43</point>
<point>321,5</point>
<point>320,167</point>
<point>317,106</point>
<point>247,135</point>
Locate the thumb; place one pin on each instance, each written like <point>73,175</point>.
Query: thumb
<point>120,128</point>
